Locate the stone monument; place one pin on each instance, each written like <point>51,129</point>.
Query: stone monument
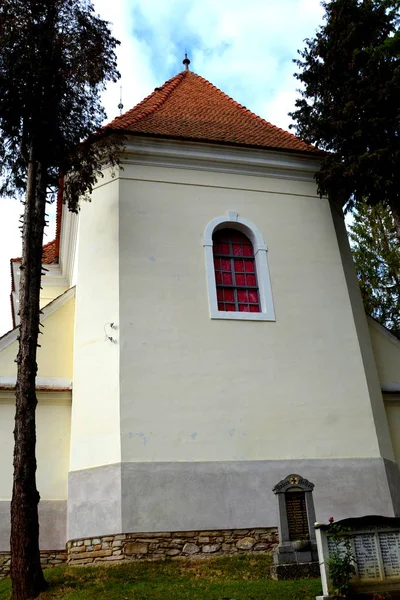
<point>296,555</point>
<point>375,542</point>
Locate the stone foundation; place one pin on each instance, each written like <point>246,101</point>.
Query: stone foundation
<point>48,558</point>
<point>153,546</point>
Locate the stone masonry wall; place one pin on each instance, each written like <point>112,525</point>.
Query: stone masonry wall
<point>152,546</point>
<point>48,558</point>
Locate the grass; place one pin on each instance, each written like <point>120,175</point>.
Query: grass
<point>234,577</point>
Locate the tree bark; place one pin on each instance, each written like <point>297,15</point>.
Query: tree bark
<point>26,571</point>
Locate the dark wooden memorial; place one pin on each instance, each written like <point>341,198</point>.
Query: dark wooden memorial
<point>296,554</point>
<point>296,512</point>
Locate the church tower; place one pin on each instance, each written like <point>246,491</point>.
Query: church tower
<point>236,349</point>
<point>205,347</point>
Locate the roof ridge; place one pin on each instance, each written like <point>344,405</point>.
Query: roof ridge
<point>170,85</point>
<point>246,110</point>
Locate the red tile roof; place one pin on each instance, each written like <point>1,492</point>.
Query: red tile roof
<point>50,253</point>
<point>189,107</point>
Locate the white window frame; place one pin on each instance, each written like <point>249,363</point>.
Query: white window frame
<point>233,221</point>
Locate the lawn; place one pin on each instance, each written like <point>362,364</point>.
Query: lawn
<point>243,577</point>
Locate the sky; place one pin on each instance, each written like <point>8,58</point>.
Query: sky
<point>245,48</point>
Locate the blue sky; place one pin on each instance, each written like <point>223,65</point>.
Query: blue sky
<point>244,47</point>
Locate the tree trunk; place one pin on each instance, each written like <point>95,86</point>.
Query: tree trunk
<point>26,571</point>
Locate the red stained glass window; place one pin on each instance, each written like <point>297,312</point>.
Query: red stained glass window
<point>235,272</point>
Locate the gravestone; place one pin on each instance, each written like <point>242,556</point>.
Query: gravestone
<point>296,554</point>
<point>375,542</point>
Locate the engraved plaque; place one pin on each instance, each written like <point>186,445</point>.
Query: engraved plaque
<point>297,516</point>
<point>367,556</point>
<point>390,550</point>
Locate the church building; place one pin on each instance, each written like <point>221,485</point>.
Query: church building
<point>204,338</point>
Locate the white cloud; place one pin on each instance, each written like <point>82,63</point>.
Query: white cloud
<point>245,48</point>
<point>137,79</point>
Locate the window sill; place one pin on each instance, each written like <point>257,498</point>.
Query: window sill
<point>241,316</point>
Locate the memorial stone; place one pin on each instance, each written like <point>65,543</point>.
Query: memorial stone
<point>297,543</point>
<point>366,555</point>
<point>375,543</point>
<point>390,549</point>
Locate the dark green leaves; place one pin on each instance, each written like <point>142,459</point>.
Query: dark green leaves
<point>350,99</point>
<point>56,57</point>
<point>376,253</point>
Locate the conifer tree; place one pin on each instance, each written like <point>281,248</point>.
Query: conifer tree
<point>376,254</point>
<point>55,57</point>
<point>350,98</point>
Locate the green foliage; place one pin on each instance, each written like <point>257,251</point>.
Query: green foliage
<point>241,577</point>
<point>376,253</point>
<point>341,560</point>
<point>55,58</point>
<point>350,98</point>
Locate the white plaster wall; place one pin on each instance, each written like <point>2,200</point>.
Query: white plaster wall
<point>54,356</point>
<point>53,420</point>
<point>392,406</point>
<point>387,353</point>
<point>364,340</point>
<point>95,434</point>
<point>203,390</point>
<point>50,292</point>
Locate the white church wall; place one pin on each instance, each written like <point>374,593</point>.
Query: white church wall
<point>49,292</point>
<point>53,443</point>
<point>188,422</point>
<point>386,349</point>
<point>392,406</point>
<point>55,353</point>
<point>363,341</point>
<point>53,416</point>
<point>387,355</point>
<point>95,436</point>
<point>194,389</point>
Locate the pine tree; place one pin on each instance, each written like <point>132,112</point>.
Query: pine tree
<point>350,98</point>
<point>376,254</point>
<point>55,57</point>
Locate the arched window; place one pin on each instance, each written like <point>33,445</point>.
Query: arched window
<point>237,270</point>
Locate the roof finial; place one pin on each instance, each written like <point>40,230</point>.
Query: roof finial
<point>120,105</point>
<point>186,62</point>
